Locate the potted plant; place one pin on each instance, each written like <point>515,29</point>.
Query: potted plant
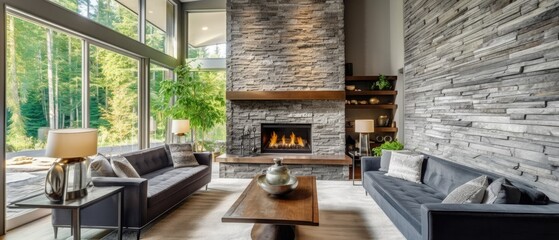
<point>200,100</point>
<point>392,145</point>
<point>382,83</point>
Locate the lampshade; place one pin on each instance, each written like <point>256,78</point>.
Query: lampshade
<point>71,143</point>
<point>364,126</point>
<point>180,126</point>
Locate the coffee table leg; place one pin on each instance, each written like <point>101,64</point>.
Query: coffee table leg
<point>272,231</point>
<point>76,223</point>
<point>120,202</point>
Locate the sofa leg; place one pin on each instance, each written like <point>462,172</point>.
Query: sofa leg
<point>366,193</point>
<point>55,232</point>
<point>138,234</point>
<point>206,187</point>
<point>71,231</point>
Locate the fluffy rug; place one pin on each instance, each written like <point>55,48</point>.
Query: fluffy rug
<point>345,213</point>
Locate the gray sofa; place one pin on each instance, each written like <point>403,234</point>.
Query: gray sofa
<point>160,188</point>
<point>418,213</point>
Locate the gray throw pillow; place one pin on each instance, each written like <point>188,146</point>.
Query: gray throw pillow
<point>182,155</point>
<point>470,192</point>
<point>101,167</point>
<point>385,158</point>
<point>501,191</point>
<point>405,166</point>
<point>123,168</point>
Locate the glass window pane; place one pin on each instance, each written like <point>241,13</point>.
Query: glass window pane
<point>43,91</point>
<point>158,121</point>
<point>160,25</point>
<point>214,139</point>
<point>206,35</point>
<point>114,100</point>
<point>119,15</point>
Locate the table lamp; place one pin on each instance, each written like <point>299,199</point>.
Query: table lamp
<point>69,174</point>
<point>364,127</point>
<point>180,127</point>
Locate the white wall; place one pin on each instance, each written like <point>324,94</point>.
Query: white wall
<point>374,40</point>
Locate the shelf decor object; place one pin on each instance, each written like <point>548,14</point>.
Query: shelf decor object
<point>69,175</point>
<point>364,127</point>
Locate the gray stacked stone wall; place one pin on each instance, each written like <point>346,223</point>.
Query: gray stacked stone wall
<point>482,85</point>
<point>322,172</point>
<point>283,46</point>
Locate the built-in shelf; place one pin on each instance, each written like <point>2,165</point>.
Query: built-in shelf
<point>377,129</point>
<point>371,106</point>
<point>372,93</point>
<point>368,78</point>
<point>284,95</point>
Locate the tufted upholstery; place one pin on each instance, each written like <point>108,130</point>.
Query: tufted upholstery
<point>165,182</point>
<point>148,160</point>
<point>406,197</point>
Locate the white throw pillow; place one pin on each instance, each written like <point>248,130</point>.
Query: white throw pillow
<point>470,192</point>
<point>406,166</point>
<point>123,168</point>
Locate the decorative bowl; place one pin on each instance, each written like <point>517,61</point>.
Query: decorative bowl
<point>277,189</point>
<point>350,87</point>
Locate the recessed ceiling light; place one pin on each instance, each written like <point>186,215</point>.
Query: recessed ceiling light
<point>204,28</point>
<point>150,11</point>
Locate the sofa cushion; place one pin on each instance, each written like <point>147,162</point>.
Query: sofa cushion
<point>470,192</point>
<point>406,197</point>
<point>148,160</point>
<point>385,158</point>
<point>445,176</point>
<point>182,155</point>
<point>101,167</point>
<point>165,182</point>
<point>123,168</point>
<point>501,191</point>
<point>406,166</point>
<point>529,195</point>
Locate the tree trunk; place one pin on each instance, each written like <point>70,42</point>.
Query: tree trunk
<point>52,107</point>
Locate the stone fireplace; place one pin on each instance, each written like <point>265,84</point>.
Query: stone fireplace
<point>285,69</point>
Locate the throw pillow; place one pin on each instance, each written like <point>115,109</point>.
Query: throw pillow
<point>123,168</point>
<point>385,158</point>
<point>182,155</point>
<point>470,192</point>
<point>501,191</point>
<point>101,167</point>
<point>405,166</point>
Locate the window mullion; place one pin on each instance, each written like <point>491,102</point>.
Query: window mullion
<point>142,21</point>
<point>85,83</point>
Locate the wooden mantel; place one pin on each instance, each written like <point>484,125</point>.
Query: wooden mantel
<point>284,95</point>
<point>287,159</point>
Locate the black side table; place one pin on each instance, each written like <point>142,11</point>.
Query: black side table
<point>93,196</point>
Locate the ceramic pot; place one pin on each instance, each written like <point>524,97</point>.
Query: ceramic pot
<point>277,174</point>
<point>350,87</point>
<point>374,100</point>
<point>383,120</point>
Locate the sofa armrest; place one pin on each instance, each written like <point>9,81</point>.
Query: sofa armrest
<point>135,198</point>
<point>204,158</point>
<point>489,221</point>
<point>370,163</point>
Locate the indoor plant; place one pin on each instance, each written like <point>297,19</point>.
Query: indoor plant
<point>382,83</point>
<point>200,100</point>
<point>393,145</point>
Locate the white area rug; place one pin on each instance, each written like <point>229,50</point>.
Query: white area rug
<point>345,213</point>
<point>20,176</point>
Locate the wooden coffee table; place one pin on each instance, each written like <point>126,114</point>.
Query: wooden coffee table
<point>276,217</point>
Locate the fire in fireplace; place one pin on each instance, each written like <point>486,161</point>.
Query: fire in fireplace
<point>286,138</point>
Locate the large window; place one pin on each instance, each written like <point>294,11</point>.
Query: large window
<point>157,120</point>
<point>114,100</point>
<point>123,16</point>
<point>43,91</point>
<point>120,16</point>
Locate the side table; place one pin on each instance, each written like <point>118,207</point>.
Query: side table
<point>355,156</point>
<point>93,196</point>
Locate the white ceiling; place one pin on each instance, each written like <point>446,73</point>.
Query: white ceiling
<point>206,28</point>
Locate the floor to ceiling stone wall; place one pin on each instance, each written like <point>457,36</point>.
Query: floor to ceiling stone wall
<point>285,46</point>
<point>482,85</point>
